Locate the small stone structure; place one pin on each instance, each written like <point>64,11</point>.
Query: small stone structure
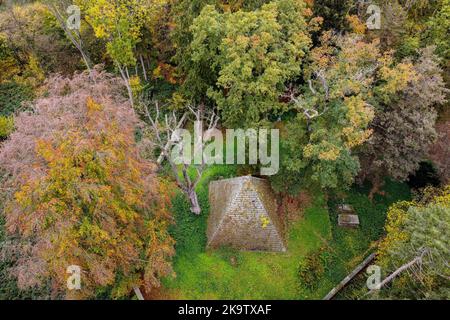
<point>347,216</point>
<point>243,215</point>
<point>345,208</point>
<point>348,220</point>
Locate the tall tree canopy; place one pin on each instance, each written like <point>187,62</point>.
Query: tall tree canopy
<point>80,193</point>
<point>249,56</point>
<point>335,108</point>
<point>183,13</point>
<point>417,237</point>
<point>404,127</point>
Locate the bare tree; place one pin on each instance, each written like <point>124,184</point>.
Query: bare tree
<point>144,71</point>
<point>310,112</point>
<point>126,79</point>
<point>165,135</point>
<point>417,263</point>
<point>58,8</point>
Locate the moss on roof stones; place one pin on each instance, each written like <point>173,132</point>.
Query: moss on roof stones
<point>244,215</point>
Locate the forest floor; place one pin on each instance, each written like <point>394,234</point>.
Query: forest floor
<point>233,274</point>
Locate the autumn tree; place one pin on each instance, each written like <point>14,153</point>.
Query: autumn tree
<point>414,254</point>
<point>32,32</point>
<point>334,109</point>
<point>248,57</point>
<point>404,127</point>
<point>79,193</point>
<point>120,24</point>
<point>196,77</point>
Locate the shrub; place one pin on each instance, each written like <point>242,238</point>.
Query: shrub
<point>427,175</point>
<point>417,234</point>
<point>312,268</point>
<point>12,95</point>
<point>6,126</point>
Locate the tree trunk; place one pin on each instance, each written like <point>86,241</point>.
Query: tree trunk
<point>416,260</point>
<point>138,293</point>
<point>195,206</point>
<point>170,142</point>
<point>76,42</point>
<point>86,59</point>
<point>126,79</point>
<point>143,67</point>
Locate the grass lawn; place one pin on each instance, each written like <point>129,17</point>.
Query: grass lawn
<point>232,274</point>
<point>349,247</point>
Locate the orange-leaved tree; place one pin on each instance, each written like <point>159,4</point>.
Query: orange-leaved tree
<point>81,194</point>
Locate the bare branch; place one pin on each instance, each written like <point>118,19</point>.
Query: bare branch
<point>311,87</point>
<point>165,136</point>
<point>417,261</point>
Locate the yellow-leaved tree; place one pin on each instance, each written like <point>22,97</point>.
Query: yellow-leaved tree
<point>82,195</point>
<point>120,24</point>
<point>335,108</point>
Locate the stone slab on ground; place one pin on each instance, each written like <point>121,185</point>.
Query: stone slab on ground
<point>348,220</point>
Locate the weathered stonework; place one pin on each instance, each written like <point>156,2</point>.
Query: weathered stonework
<point>244,215</point>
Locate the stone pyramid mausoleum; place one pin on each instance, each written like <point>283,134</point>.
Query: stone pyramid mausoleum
<point>243,215</point>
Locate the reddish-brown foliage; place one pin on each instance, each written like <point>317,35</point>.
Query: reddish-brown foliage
<point>81,194</point>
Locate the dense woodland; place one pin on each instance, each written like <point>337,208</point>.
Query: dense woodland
<point>86,116</point>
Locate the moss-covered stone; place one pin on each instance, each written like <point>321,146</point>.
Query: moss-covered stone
<point>244,215</point>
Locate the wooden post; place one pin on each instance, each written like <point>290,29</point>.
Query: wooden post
<point>138,293</point>
<point>348,278</point>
